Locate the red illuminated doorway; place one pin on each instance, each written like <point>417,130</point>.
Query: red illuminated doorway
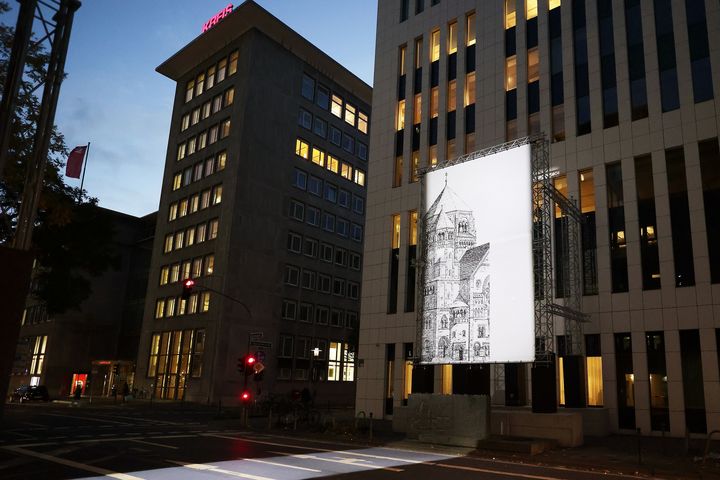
<point>81,379</point>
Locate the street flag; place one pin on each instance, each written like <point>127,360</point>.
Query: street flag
<point>75,162</point>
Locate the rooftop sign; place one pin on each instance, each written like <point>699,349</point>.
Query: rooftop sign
<point>218,16</point>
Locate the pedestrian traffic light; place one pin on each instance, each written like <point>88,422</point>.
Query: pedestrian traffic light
<point>249,364</point>
<point>246,396</point>
<point>188,285</point>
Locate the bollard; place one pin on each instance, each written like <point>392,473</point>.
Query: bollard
<point>370,429</point>
<point>639,449</point>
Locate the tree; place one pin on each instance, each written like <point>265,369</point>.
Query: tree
<point>72,238</point>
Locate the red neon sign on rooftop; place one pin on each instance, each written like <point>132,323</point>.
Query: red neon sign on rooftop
<point>218,16</point>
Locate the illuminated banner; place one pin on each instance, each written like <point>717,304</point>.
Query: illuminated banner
<point>218,16</point>
<point>477,285</point>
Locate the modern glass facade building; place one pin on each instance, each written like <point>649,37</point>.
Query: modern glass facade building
<point>627,93</point>
<point>263,205</point>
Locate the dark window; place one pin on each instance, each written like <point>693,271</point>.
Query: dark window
<point>582,82</point>
<point>665,38</point>
<point>587,232</point>
<point>692,375</point>
<point>636,59</point>
<point>308,88</point>
<point>419,6</point>
<point>323,97</point>
<point>625,381</point>
<point>607,64</point>
<point>404,9</point>
<point>315,186</point>
<point>320,127</point>
<point>616,224</point>
<point>557,93</point>
<point>680,218</point>
<point>699,50</point>
<point>410,279</point>
<point>710,171</point>
<point>393,287</point>
<point>389,377</point>
<point>649,257</point>
<point>299,179</point>
<point>659,412</point>
<point>305,119</point>
<point>335,136</point>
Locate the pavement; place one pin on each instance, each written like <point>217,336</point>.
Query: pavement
<point>175,441</point>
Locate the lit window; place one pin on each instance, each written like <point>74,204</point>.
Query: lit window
<point>217,103</point>
<point>346,171</point>
<point>183,207</point>
<point>401,60</point>
<point>177,181</point>
<point>401,115</point>
<point>360,177</point>
<point>415,166</point>
<point>197,269</point>
<point>179,238</point>
<point>221,161</point>
<point>190,237</point>
<point>175,273</point>
<point>417,111</point>
<point>350,114</point>
<point>195,116</point>
<point>418,53</point>
<point>333,164</point>
<point>213,134</point>
<point>452,96</point>
<point>210,80</point>
<point>232,68</point>
<point>168,243</point>
<point>336,108</point>
<point>531,9</point>
<point>435,46</point>
<point>202,141</point>
<point>229,97</point>
<point>452,38</point>
<point>434,94</point>
<point>199,84</point>
<point>204,302</point>
<point>362,122</point>
<point>395,232</point>
<point>205,111</point>
<point>221,69</point>
<point>533,65</point>
<point>181,151</point>
<point>217,194</point>
<point>334,362</point>
<point>470,89</point>
<point>201,233</point>
<point>164,275</point>
<point>510,19</point>
<point>191,144</point>
<point>185,123</point>
<point>194,203</point>
<point>510,73</point>
<point>553,4</point>
<point>433,155</point>
<point>205,199</point>
<point>209,264</point>
<point>225,128</point>
<point>397,173</point>
<point>213,230</point>
<point>190,89</point>
<point>318,157</point>
<point>302,149</point>
<point>470,36</point>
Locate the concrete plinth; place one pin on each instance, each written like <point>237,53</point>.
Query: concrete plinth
<point>563,427</point>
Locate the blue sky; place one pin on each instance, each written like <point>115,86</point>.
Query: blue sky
<point>114,99</point>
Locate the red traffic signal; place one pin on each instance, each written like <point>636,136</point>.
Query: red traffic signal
<point>188,285</point>
<point>245,397</point>
<point>250,360</point>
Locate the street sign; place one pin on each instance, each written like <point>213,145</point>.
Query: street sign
<point>254,335</point>
<point>258,343</point>
<point>258,367</point>
<point>260,355</point>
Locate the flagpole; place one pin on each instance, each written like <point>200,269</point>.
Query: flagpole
<point>87,157</point>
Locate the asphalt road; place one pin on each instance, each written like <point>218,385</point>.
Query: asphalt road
<point>46,442</point>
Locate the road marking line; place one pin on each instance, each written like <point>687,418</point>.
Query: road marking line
<point>493,472</point>
<point>347,452</point>
<point>214,469</point>
<point>173,436</point>
<point>92,419</point>
<point>353,462</point>
<point>604,473</point>
<point>72,464</point>
<point>161,422</point>
<point>145,442</point>
<point>276,464</point>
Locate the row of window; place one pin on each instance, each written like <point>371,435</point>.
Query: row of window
<point>213,76</point>
<point>311,280</point>
<point>211,107</point>
<point>340,359</point>
<point>319,314</point>
<point>200,170</point>
<point>35,314</point>
<point>192,268</point>
<point>203,139</point>
<point>196,202</point>
<point>191,236</point>
<point>333,102</point>
<point>320,158</point>
<point>32,360</point>
<point>174,357</point>
<point>178,306</point>
<point>337,138</point>
<point>329,222</point>
<point>314,185</point>
<point>419,8</point>
<point>326,252</point>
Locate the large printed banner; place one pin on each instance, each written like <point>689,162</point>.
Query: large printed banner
<point>477,285</point>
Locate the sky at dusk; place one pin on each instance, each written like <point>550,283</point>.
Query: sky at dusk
<point>114,99</point>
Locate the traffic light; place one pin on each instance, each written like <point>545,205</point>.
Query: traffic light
<point>188,285</point>
<point>241,364</point>
<point>249,364</point>
<point>246,396</point>
<point>115,369</point>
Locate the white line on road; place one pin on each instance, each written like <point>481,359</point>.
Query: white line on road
<point>276,464</point>
<point>72,464</point>
<point>352,462</point>
<point>214,469</point>
<point>91,419</point>
<point>145,442</point>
